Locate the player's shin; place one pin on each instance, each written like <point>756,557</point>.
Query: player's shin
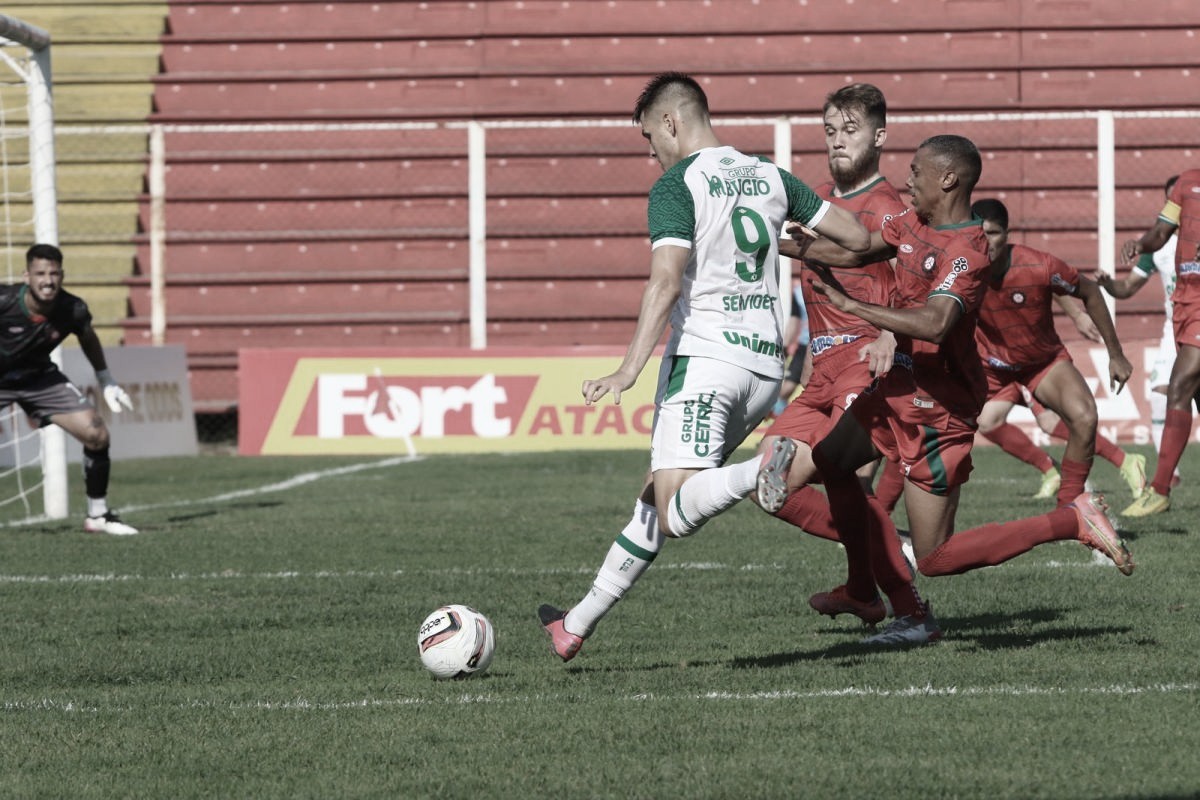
<point>629,556</point>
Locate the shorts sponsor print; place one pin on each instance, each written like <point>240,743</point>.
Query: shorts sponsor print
<point>705,409</point>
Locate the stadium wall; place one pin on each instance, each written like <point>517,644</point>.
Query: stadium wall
<point>336,234</point>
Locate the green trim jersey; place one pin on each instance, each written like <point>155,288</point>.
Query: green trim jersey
<point>728,208</point>
<point>27,339</point>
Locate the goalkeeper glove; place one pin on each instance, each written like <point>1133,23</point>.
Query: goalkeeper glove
<point>114,395</point>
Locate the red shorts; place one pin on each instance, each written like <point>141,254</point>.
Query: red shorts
<point>1020,395</point>
<point>934,453</point>
<point>1185,319</point>
<point>835,382</point>
<point>1012,384</point>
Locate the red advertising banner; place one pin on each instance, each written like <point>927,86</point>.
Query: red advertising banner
<point>374,401</point>
<point>358,401</point>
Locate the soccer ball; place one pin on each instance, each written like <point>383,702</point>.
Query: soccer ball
<point>456,641</point>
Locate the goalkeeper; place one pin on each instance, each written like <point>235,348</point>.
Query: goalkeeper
<point>35,317</point>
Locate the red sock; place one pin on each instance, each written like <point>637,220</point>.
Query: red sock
<point>1108,450</point>
<point>989,545</point>
<point>808,510</point>
<point>1013,441</point>
<point>849,507</point>
<point>1074,477</point>
<point>890,485</point>
<point>1105,448</point>
<point>889,565</point>
<point>1176,431</point>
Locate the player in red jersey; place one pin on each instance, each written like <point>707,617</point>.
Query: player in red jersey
<point>1180,214</point>
<point>844,351</point>
<point>1019,344</point>
<point>924,414</point>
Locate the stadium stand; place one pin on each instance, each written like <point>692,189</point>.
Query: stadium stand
<point>360,237</point>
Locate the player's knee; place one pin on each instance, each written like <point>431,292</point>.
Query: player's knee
<point>95,436</point>
<point>931,565</point>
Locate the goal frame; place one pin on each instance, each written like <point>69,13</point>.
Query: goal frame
<point>36,75</point>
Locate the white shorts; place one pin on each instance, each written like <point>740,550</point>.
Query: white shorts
<point>1164,361</point>
<point>704,409</point>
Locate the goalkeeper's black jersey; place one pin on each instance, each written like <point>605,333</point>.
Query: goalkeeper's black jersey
<point>27,339</point>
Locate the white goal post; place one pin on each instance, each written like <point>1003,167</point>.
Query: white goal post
<point>26,51</point>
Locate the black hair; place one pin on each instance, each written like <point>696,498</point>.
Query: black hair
<point>962,155</point>
<point>991,210</point>
<point>666,83</point>
<point>46,251</point>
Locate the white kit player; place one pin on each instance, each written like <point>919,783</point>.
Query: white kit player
<point>714,219</point>
<point>1162,262</point>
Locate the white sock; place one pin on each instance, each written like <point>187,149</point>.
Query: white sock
<point>97,506</point>
<point>1158,417</point>
<point>629,556</point>
<point>708,493</point>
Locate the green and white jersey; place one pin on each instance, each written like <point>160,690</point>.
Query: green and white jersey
<point>1162,261</point>
<point>728,209</point>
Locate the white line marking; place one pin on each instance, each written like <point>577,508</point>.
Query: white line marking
<point>291,483</point>
<point>854,692</point>
<point>368,574</point>
<point>282,486</point>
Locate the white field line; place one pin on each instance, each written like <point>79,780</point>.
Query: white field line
<point>851,692</point>
<point>224,575</point>
<point>284,575</point>
<point>282,486</point>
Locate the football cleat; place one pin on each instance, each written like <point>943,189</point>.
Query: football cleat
<point>907,630</point>
<point>772,477</point>
<point>564,644</point>
<point>838,601</point>
<point>1133,470</point>
<point>110,523</point>
<point>1150,502</point>
<point>1051,480</point>
<point>1098,533</point>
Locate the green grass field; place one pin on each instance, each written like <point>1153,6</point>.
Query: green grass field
<point>258,641</point>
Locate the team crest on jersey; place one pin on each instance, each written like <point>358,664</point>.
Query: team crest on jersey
<point>906,248</point>
<point>1018,297</point>
<point>929,264</point>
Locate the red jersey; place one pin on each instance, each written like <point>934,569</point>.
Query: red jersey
<point>828,327</point>
<point>1183,209</point>
<point>1016,320</point>
<point>947,261</point>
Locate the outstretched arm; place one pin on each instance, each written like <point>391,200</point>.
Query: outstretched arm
<point>1150,242</point>
<point>1119,368</point>
<point>667,265</point>
<point>1127,286</point>
<point>931,322</point>
<point>829,253</point>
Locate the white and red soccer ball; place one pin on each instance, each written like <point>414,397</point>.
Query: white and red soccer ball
<point>456,641</point>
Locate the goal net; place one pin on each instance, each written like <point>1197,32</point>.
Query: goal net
<point>31,461</point>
